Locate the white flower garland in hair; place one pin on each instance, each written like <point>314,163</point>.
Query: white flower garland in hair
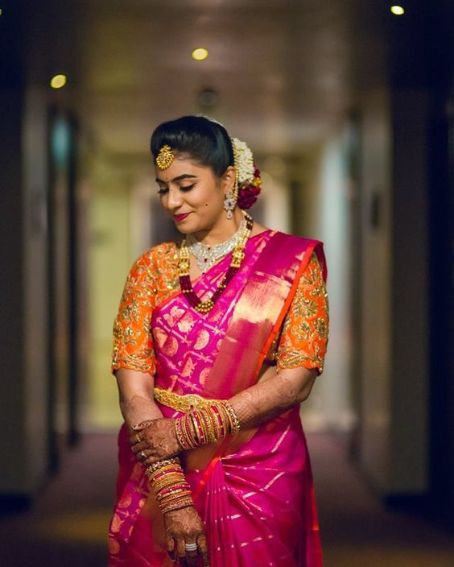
<point>244,161</point>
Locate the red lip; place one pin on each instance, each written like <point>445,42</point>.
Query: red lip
<point>179,218</point>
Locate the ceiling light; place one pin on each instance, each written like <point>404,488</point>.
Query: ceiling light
<point>398,10</point>
<point>58,81</point>
<point>200,54</point>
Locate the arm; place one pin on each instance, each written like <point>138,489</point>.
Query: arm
<point>137,405</point>
<point>278,391</point>
<point>134,366</point>
<point>300,354</point>
<point>140,411</point>
<point>133,359</point>
<point>136,396</point>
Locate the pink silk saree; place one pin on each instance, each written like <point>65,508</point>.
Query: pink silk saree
<point>254,491</point>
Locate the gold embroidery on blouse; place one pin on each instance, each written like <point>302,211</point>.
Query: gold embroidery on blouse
<point>152,278</point>
<point>304,336</point>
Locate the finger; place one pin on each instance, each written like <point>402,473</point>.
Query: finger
<point>151,460</point>
<point>202,543</point>
<point>191,554</point>
<point>135,438</point>
<point>181,549</point>
<point>140,447</point>
<point>142,456</point>
<point>203,549</point>
<point>191,558</point>
<point>171,549</point>
<point>141,425</point>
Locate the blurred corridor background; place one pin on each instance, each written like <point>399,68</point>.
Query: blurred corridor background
<point>348,106</point>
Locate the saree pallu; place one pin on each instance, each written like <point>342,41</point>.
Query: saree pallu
<point>254,491</point>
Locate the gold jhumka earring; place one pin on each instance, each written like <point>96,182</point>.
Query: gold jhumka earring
<point>230,202</point>
<point>231,197</point>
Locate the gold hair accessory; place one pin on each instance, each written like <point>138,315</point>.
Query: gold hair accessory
<point>165,157</point>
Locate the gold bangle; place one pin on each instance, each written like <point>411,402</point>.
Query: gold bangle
<point>167,480</point>
<point>160,464</point>
<point>234,421</point>
<point>184,503</point>
<point>174,496</point>
<point>180,436</point>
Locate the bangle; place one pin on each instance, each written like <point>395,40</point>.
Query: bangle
<point>171,488</point>
<point>234,421</point>
<point>160,464</point>
<point>207,424</point>
<point>183,503</point>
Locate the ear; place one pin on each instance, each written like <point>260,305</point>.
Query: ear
<point>228,179</point>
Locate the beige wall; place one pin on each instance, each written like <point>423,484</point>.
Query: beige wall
<point>394,370</point>
<point>110,256</point>
<point>324,213</point>
<point>376,347</point>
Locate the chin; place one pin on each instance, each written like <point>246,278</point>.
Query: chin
<point>191,226</point>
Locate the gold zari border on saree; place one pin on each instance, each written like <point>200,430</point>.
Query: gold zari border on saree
<point>184,403</point>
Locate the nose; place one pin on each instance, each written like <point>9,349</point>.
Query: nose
<point>174,198</point>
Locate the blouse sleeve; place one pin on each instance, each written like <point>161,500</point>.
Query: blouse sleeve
<point>304,336</point>
<point>132,340</point>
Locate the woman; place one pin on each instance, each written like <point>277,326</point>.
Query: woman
<point>217,341</point>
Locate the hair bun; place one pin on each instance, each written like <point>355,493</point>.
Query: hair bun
<point>248,175</point>
<point>249,191</point>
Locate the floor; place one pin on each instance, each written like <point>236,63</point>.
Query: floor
<point>67,525</point>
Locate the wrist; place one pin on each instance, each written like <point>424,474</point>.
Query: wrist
<point>169,484</point>
<point>207,424</point>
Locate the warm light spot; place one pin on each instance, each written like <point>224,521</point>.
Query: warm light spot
<point>200,54</point>
<point>1,11</point>
<point>398,10</point>
<point>58,81</point>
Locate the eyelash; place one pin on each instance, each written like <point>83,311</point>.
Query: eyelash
<point>164,190</point>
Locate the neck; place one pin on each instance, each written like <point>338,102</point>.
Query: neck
<point>221,231</point>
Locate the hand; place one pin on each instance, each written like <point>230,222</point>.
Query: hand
<point>182,527</point>
<point>153,441</point>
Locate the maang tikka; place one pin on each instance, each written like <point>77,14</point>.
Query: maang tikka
<point>165,157</point>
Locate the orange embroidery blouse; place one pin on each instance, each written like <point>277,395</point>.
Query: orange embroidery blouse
<point>154,277</point>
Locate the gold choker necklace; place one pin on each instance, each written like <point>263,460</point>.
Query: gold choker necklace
<point>207,255</point>
<point>184,264</point>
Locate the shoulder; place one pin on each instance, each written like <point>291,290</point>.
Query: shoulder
<point>311,251</point>
<point>296,238</point>
<point>153,258</point>
<point>300,243</point>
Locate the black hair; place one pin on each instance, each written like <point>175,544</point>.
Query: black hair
<point>201,138</point>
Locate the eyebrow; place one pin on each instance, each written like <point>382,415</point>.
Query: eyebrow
<point>178,178</point>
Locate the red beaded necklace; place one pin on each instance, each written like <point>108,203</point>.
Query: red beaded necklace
<point>184,266</point>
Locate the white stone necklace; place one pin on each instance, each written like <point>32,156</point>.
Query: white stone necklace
<point>206,256</point>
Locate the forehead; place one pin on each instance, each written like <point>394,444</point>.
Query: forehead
<point>182,165</point>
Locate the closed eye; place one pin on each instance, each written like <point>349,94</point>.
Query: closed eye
<point>184,188</point>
